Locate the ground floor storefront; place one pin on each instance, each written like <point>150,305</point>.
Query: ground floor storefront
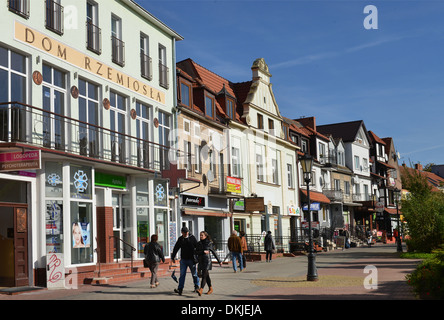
<point>73,214</point>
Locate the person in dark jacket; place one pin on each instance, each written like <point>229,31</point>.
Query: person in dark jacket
<point>203,250</point>
<point>235,247</point>
<point>187,245</point>
<point>153,254</point>
<point>269,246</point>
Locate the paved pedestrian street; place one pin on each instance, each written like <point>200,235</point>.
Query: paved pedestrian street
<point>363,273</point>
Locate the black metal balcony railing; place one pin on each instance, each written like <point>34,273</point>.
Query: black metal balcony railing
<point>93,38</point>
<point>20,7</point>
<point>163,75</point>
<point>118,51</point>
<point>22,123</point>
<point>54,16</point>
<point>146,66</point>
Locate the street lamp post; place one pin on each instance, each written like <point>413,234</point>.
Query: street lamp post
<point>307,164</point>
<point>397,194</point>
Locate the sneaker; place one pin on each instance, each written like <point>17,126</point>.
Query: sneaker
<point>179,291</point>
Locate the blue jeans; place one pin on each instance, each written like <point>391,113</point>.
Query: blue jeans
<point>184,264</point>
<point>235,256</point>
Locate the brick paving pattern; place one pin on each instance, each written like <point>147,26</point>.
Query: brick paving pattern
<point>341,276</point>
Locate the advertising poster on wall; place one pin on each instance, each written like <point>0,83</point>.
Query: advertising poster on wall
<point>80,235</point>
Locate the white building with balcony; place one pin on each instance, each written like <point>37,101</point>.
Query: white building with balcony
<point>86,103</point>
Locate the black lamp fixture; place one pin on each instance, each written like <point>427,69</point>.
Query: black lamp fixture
<point>307,165</point>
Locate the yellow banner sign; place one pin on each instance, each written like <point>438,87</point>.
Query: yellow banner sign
<point>59,50</point>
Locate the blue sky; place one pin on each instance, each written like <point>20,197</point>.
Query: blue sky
<point>326,64</point>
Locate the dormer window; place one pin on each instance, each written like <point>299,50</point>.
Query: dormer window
<point>185,94</point>
<point>230,108</point>
<point>209,106</point>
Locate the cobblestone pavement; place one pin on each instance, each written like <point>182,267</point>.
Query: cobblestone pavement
<point>363,273</point>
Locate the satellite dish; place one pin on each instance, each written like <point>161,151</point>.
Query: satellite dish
<point>210,176</point>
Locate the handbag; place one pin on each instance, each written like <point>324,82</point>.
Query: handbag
<point>145,263</point>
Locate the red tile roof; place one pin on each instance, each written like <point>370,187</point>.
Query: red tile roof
<point>434,180</point>
<point>215,84</point>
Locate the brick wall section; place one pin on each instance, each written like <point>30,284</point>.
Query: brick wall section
<point>104,231</point>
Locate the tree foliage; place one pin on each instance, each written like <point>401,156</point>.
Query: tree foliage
<point>423,211</point>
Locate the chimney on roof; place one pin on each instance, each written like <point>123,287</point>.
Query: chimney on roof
<point>308,122</point>
<point>418,166</point>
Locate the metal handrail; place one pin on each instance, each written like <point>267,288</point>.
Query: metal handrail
<point>27,132</point>
<point>129,245</point>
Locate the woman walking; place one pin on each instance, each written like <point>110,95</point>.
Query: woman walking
<point>203,249</point>
<point>153,255</point>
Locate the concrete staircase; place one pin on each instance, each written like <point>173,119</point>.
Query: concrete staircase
<point>121,271</point>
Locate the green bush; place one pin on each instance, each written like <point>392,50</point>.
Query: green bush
<point>427,280</point>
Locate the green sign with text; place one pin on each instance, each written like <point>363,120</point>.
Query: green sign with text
<point>109,180</point>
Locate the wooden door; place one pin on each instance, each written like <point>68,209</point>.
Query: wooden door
<point>21,247</point>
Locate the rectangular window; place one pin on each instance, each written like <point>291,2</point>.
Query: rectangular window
<point>235,158</point>
<point>82,227</point>
<point>185,94</point>
<point>187,154</point>
<point>275,171</point>
<point>198,162</point>
<point>260,172</point>
<point>164,142</point>
<point>118,118</point>
<point>54,100</point>
<point>93,32</point>
<point>357,164</point>
<point>13,87</point>
<point>341,160</point>
<point>209,106</point>
<point>260,121</point>
<point>54,16</point>
<point>88,136</point>
<point>337,184</point>
<point>304,146</point>
<point>163,68</point>
<point>230,109</point>
<point>20,7</point>
<point>271,126</point>
<point>145,59</point>
<point>117,45</point>
<point>143,216</point>
<point>322,154</point>
<point>290,176</point>
<point>143,134</point>
<point>365,165</point>
<point>347,187</point>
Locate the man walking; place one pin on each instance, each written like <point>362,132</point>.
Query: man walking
<point>187,244</point>
<point>235,247</point>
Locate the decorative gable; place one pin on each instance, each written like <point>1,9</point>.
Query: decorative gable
<point>261,93</point>
<point>361,138</point>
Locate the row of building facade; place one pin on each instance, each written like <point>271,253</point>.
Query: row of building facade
<point>106,139</point>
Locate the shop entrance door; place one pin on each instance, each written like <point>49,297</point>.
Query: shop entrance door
<point>122,226</point>
<point>14,246</point>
